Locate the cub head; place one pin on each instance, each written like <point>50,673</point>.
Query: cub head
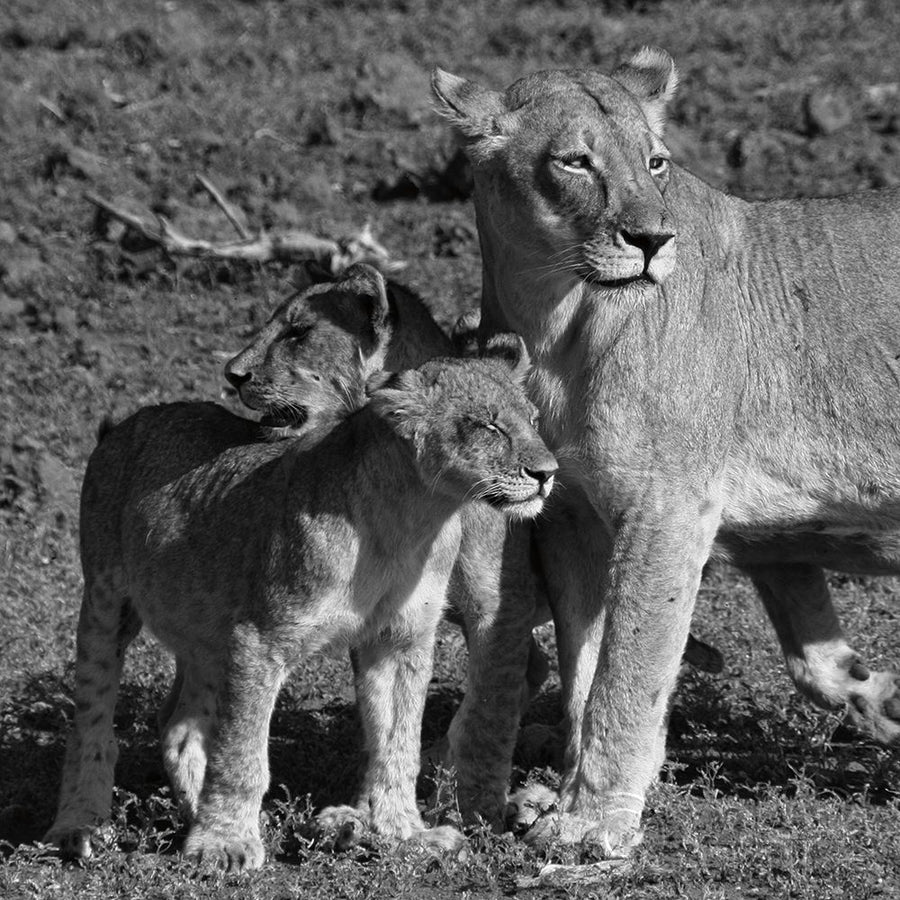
<point>571,169</point>
<point>471,427</point>
<point>313,356</point>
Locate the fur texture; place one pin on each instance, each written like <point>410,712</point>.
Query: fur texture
<point>242,555</point>
<point>496,590</point>
<point>720,381</point>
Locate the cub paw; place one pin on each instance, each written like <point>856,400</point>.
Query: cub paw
<point>874,705</point>
<point>226,851</point>
<point>527,805</point>
<point>342,827</point>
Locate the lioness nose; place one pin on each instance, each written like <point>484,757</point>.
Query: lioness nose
<point>648,242</point>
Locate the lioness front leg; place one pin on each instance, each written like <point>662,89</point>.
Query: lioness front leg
<point>821,663</point>
<point>226,828</point>
<point>654,570</point>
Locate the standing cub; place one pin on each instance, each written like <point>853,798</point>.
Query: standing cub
<point>242,556</point>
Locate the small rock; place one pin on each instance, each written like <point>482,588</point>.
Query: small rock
<point>22,268</point>
<point>827,112</point>
<point>7,233</point>
<point>65,320</point>
<point>72,160</point>
<point>56,481</point>
<point>11,309</point>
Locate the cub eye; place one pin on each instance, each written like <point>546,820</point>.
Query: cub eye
<point>576,162</point>
<point>534,420</point>
<point>658,164</point>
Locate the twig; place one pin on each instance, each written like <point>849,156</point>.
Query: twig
<point>230,212</point>
<point>277,246</point>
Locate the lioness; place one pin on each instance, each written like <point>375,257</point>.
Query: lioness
<point>496,595</point>
<point>242,555</point>
<point>720,380</point>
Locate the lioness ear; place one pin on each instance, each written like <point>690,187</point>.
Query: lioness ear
<point>652,77</point>
<point>509,348</point>
<point>473,109</point>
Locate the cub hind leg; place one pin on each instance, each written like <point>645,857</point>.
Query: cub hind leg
<point>821,663</point>
<point>106,626</point>
<point>186,722</point>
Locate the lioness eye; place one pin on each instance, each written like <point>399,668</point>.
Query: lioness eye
<point>658,164</point>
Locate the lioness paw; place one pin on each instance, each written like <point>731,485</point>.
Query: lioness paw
<point>443,839</point>
<point>614,837</point>
<point>73,843</point>
<point>225,851</point>
<point>874,707</point>
<point>527,805</point>
<point>342,827</point>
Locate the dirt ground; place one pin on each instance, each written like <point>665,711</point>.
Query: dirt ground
<point>316,116</point>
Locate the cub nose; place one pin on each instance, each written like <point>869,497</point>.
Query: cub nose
<point>542,472</point>
<point>648,242</point>
<point>236,376</point>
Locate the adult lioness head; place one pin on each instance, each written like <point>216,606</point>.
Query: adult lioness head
<point>314,354</point>
<point>572,166</point>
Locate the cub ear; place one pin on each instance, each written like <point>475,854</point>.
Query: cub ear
<point>509,348</point>
<point>465,333</point>
<point>652,77</point>
<point>398,396</point>
<point>366,287</point>
<point>473,109</point>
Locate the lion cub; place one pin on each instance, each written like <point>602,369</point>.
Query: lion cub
<point>243,555</point>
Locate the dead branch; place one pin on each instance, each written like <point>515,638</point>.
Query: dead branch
<point>289,246</point>
<point>230,212</point>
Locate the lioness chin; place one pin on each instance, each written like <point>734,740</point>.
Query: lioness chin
<point>242,555</point>
<point>720,381</point>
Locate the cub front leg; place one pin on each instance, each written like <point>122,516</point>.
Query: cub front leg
<point>823,666</point>
<point>495,587</point>
<point>393,669</point>
<point>186,722</point>
<point>657,556</point>
<point>226,828</point>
